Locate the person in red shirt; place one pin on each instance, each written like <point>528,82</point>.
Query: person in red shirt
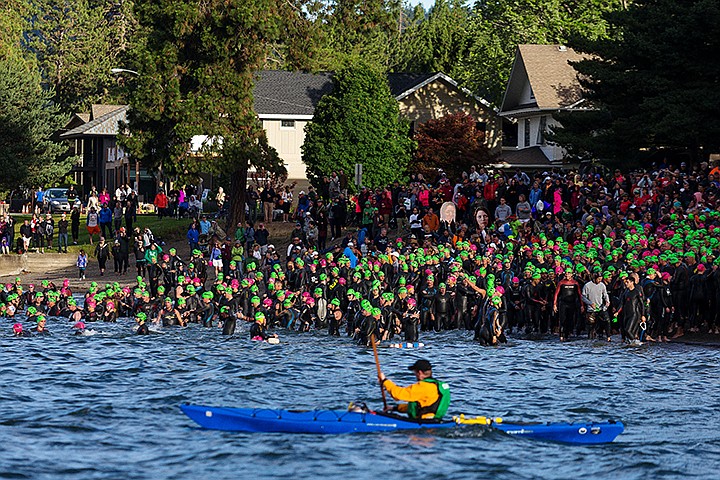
<point>161,203</point>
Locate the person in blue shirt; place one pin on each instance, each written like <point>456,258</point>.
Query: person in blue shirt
<point>204,225</point>
<point>105,218</point>
<point>39,197</point>
<point>193,236</point>
<point>349,252</point>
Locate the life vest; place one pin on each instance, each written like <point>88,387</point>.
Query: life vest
<point>439,408</point>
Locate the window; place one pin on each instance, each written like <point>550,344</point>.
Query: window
<point>287,123</point>
<point>541,130</point>
<point>527,132</point>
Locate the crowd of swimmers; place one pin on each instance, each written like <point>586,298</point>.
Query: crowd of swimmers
<point>591,255</point>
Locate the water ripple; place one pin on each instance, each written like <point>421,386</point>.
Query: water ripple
<point>106,407</point>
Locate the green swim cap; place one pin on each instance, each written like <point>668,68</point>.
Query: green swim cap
<point>208,295</point>
<point>142,316</point>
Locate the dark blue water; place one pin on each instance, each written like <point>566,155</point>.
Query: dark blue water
<point>106,406</point>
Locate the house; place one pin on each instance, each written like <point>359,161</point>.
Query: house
<point>285,102</point>
<point>93,138</point>
<point>542,82</point>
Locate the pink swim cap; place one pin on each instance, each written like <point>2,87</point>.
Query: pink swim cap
<point>79,326</point>
<point>17,328</point>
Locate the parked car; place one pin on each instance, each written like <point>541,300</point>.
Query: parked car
<point>55,200</point>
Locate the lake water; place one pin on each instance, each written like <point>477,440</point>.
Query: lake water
<point>106,407</point>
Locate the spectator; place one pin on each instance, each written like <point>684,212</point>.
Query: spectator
<point>161,203</point>
<point>105,217</point>
<point>193,236</point>
<point>523,209</point>
<point>92,224</point>
<point>503,211</point>
<point>430,222</point>
<point>63,233</point>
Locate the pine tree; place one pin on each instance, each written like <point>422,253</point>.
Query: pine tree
<point>77,44</point>
<point>29,156</point>
<point>653,86</point>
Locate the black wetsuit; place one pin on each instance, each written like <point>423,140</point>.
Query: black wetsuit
<point>442,310</point>
<point>427,306</point>
<point>205,313</point>
<point>229,322</point>
<point>567,298</point>
<point>410,322</point>
<point>142,330</point>
<point>258,330</point>
<point>633,310</point>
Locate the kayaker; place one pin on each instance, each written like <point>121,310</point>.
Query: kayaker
<point>428,398</point>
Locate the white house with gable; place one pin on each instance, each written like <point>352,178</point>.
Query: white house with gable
<point>542,82</point>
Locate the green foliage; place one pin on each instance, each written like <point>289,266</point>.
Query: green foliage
<point>196,65</point>
<point>77,44</point>
<point>436,42</point>
<point>28,155</point>
<point>655,85</point>
<point>359,30</point>
<point>358,122</point>
<point>11,26</point>
<point>497,28</point>
<point>451,143</point>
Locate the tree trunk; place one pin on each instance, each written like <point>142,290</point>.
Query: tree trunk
<point>238,187</point>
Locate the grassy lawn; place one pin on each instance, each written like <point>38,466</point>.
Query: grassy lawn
<point>169,229</point>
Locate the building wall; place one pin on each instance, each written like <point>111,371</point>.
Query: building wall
<point>287,141</point>
<point>439,99</point>
<point>553,152</point>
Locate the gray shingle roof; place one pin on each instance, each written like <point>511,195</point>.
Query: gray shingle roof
<point>289,93</point>
<point>279,92</point>
<point>106,124</point>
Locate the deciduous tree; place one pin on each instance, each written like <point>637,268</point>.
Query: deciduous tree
<point>451,143</point>
<point>358,122</point>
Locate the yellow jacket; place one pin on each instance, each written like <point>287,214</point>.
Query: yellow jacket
<point>425,393</point>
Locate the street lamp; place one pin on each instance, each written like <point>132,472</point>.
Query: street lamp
<point>137,162</point>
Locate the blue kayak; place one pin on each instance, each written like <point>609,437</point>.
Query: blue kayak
<point>341,421</point>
